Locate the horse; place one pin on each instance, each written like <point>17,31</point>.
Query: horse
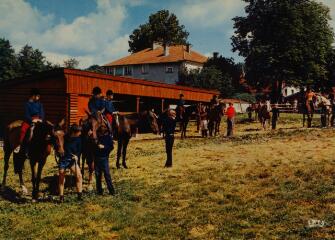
<point>126,126</point>
<point>264,115</point>
<point>215,116</point>
<point>89,145</point>
<point>185,118</point>
<point>308,110</point>
<point>42,137</point>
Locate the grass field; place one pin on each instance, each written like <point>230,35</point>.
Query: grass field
<point>257,185</point>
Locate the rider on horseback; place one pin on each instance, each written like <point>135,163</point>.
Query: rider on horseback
<point>181,106</point>
<point>109,108</point>
<point>34,112</point>
<point>96,106</point>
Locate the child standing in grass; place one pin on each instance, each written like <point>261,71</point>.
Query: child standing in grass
<point>101,162</point>
<point>275,116</point>
<point>72,151</point>
<point>203,121</point>
<point>230,119</point>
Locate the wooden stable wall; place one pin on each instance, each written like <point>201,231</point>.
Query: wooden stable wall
<point>65,93</point>
<point>13,96</point>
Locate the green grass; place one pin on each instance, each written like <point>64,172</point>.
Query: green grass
<point>256,185</point>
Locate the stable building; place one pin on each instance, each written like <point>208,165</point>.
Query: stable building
<point>66,92</point>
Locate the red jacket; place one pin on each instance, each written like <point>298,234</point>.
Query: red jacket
<point>230,112</point>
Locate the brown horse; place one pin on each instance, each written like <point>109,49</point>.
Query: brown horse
<point>43,136</point>
<point>264,115</point>
<point>214,119</point>
<point>125,128</point>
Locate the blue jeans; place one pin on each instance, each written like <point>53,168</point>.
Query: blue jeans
<point>101,166</point>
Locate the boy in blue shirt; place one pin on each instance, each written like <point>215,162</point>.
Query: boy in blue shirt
<point>33,113</point>
<point>72,151</point>
<point>101,161</point>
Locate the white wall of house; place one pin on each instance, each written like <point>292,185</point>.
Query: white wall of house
<point>192,66</point>
<point>288,91</point>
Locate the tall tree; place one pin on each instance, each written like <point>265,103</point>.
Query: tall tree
<point>283,41</point>
<point>71,63</point>
<point>31,61</point>
<point>8,62</point>
<point>162,26</point>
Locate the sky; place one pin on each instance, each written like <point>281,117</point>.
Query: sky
<point>97,31</point>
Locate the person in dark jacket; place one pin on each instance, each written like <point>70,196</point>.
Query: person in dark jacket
<point>168,127</point>
<point>101,162</point>
<point>96,105</point>
<point>72,151</point>
<point>33,112</point>
<point>275,116</point>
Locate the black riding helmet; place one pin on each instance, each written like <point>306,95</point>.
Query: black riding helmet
<point>109,92</point>
<point>34,92</point>
<point>96,91</point>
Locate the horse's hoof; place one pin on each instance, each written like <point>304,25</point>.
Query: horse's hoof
<point>24,190</point>
<point>124,166</point>
<point>118,166</point>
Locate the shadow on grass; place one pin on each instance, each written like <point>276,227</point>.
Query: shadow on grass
<point>11,195</point>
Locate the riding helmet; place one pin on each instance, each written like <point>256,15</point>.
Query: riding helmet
<point>181,95</point>
<point>109,92</point>
<point>34,92</point>
<point>75,128</point>
<point>96,91</point>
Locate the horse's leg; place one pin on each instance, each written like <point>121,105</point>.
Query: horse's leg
<point>118,154</point>
<point>124,152</point>
<point>39,176</point>
<point>7,153</point>
<point>33,167</point>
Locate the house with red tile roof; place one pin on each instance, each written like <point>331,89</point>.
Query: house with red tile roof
<point>161,63</point>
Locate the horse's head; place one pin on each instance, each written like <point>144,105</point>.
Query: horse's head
<point>321,101</point>
<point>149,119</point>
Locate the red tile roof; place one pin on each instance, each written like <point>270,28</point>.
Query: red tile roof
<point>177,53</point>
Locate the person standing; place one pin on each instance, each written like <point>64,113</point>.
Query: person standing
<point>230,119</point>
<point>168,127</point>
<point>101,161</point>
<point>275,116</point>
<point>72,147</point>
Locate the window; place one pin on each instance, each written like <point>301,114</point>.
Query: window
<point>145,69</point>
<point>169,69</point>
<point>127,70</point>
<point>119,71</point>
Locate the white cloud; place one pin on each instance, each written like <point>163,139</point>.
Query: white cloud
<point>209,13</point>
<point>92,39</point>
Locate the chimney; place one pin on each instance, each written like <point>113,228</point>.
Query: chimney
<point>166,49</point>
<point>215,55</point>
<point>188,48</point>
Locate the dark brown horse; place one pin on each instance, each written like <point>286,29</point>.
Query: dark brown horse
<point>43,136</point>
<point>186,115</point>
<point>125,126</point>
<point>214,119</point>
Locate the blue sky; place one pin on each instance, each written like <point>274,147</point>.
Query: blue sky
<point>96,31</point>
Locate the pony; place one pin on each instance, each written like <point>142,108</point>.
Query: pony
<point>42,137</point>
<point>264,115</point>
<point>215,116</point>
<point>308,111</point>
<point>188,112</point>
<point>125,126</point>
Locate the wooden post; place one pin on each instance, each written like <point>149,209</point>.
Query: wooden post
<point>162,104</point>
<point>137,110</point>
<point>137,104</point>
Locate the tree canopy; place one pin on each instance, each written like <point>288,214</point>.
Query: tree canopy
<point>8,61</point>
<point>71,63</point>
<point>163,27</point>
<point>284,41</point>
